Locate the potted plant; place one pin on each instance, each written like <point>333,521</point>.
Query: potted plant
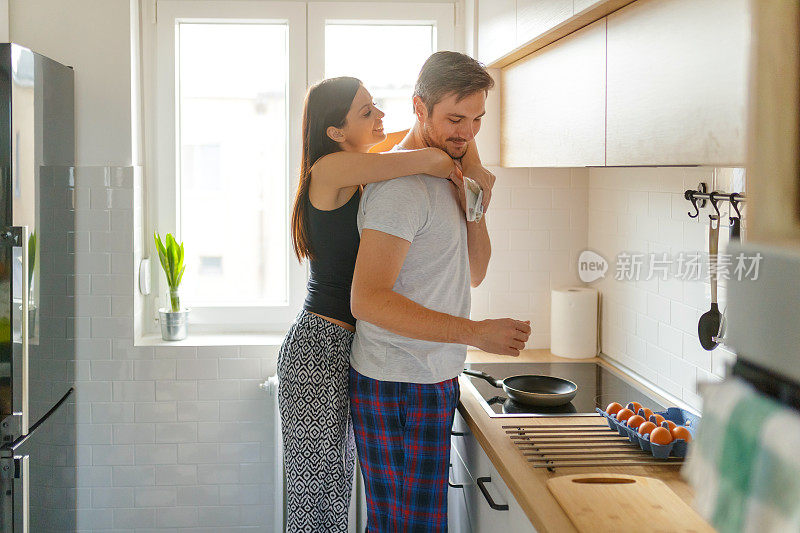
<point>174,319</point>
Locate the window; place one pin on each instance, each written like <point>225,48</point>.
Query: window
<point>382,45</point>
<point>224,134</point>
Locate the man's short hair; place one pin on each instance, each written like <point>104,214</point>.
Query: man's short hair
<point>449,72</point>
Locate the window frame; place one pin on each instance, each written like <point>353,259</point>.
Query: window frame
<point>440,15</point>
<point>165,134</point>
<point>306,63</point>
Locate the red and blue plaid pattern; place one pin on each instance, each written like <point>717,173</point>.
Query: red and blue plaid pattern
<point>402,435</point>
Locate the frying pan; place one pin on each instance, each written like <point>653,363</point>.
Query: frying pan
<point>532,389</point>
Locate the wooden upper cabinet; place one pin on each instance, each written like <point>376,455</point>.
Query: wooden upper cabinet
<point>677,83</point>
<point>535,17</point>
<point>553,103</point>
<point>580,5</point>
<point>497,23</point>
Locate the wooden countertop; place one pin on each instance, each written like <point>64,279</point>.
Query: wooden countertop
<point>528,484</point>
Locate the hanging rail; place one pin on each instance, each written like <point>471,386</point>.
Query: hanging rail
<point>700,196</point>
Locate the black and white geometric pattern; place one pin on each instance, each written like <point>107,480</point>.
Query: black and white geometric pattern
<point>318,444</point>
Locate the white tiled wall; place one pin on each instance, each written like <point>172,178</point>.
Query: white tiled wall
<point>651,326</point>
<point>541,219</point>
<point>537,221</point>
<point>168,437</point>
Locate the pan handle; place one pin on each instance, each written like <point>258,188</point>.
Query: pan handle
<point>483,375</point>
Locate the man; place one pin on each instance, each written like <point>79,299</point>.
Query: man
<point>417,259</point>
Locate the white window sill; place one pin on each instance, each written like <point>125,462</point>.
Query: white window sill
<point>215,339</point>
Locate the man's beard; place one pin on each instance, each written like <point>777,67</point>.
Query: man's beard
<point>428,138</point>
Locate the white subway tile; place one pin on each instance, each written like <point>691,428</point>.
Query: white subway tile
<point>218,474</point>
<point>93,433</point>
<point>133,476</point>
<point>155,496</point>
<point>134,433</point>
<point>240,494</point>
<point>134,391</point>
<point>531,198</point>
<point>95,519</point>
<point>647,329</point>
<point>200,495</point>
<point>239,368</point>
<point>658,360</point>
<point>156,411</point>
<point>243,410</point>
<point>670,339</point>
<point>112,284</point>
<point>112,370</point>
<point>156,454</point>
<point>683,373</point>
<point>176,390</point>
<point>694,353</point>
<point>520,240</point>
<point>157,369</point>
<point>507,219</point>
<point>176,475</point>
<point>219,516</point>
<point>94,476</point>
<point>244,452</point>
<point>200,411</point>
<point>110,413</point>
<point>200,369</point>
<point>114,454</point>
<point>198,453</point>
<point>217,352</point>
<point>176,432</point>
<point>179,517</point>
<point>176,352</point>
<point>134,518</point>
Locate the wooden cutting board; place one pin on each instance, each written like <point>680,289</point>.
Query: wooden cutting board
<point>618,502</point>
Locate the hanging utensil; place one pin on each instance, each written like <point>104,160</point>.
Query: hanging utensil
<point>708,326</point>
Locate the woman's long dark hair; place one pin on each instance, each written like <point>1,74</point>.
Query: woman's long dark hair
<point>327,104</point>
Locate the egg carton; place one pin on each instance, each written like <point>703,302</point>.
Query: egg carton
<point>676,448</point>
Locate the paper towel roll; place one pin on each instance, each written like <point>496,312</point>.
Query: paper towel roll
<point>573,322</point>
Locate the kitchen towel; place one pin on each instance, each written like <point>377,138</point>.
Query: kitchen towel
<point>744,463</point>
<point>573,322</point>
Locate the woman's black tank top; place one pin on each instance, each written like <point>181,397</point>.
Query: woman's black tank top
<point>334,240</point>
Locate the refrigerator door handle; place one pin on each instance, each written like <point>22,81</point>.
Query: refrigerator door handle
<point>25,340</point>
<point>20,236</point>
<point>22,476</point>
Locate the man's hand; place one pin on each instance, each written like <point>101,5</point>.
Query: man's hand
<point>504,336</point>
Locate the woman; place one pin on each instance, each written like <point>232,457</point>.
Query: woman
<point>340,124</point>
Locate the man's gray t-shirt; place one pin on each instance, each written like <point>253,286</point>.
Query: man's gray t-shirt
<point>424,211</point>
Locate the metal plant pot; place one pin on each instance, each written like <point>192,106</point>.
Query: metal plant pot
<point>174,325</point>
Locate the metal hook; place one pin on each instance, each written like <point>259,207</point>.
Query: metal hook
<point>735,204</point>
<point>714,205</point>
<point>690,196</point>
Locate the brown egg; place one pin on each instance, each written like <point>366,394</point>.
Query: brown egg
<point>656,419</point>
<point>635,421</point>
<point>624,414</point>
<point>680,432</point>
<point>646,428</point>
<point>634,406</point>
<point>613,408</point>
<point>660,436</point>
<point>645,413</point>
<point>669,424</point>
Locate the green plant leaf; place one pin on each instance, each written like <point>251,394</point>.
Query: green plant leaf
<point>171,258</point>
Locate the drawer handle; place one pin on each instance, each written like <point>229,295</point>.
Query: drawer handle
<point>497,507</point>
<point>459,433</point>
<point>451,484</point>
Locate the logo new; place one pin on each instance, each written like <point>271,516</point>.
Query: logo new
<point>591,266</point>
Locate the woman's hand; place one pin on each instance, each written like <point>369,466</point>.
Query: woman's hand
<point>441,164</point>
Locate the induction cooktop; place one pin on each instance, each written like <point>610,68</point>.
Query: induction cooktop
<point>597,387</point>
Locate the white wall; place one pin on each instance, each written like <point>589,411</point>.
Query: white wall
<point>93,37</point>
<point>651,326</point>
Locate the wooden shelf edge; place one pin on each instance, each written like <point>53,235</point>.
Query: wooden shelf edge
<point>572,24</point>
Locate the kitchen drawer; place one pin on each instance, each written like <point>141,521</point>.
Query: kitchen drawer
<point>458,520</point>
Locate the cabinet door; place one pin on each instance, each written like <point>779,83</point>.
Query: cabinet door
<point>457,514</point>
<point>677,83</point>
<point>553,104</point>
<point>497,23</point>
<point>534,17</point>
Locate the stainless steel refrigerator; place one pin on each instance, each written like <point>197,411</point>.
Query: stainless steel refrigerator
<point>37,293</point>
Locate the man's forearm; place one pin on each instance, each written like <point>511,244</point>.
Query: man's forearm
<point>398,314</point>
<point>479,248</point>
